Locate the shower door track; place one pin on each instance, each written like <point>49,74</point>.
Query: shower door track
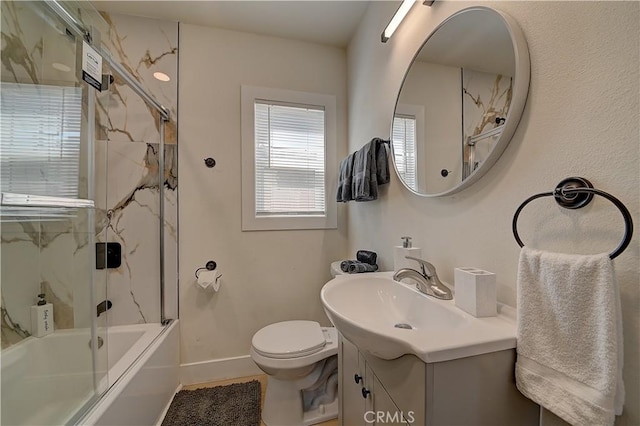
<point>80,31</point>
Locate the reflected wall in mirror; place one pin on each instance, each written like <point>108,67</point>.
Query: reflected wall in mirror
<point>460,101</point>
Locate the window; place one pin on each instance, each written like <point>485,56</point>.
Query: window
<point>404,148</point>
<point>40,139</point>
<point>288,159</point>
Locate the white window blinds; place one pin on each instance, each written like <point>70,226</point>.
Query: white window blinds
<point>289,159</point>
<point>40,139</point>
<point>404,148</point>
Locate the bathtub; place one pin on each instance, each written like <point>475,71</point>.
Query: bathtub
<point>44,383</point>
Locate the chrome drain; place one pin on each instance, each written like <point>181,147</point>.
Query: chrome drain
<point>403,325</point>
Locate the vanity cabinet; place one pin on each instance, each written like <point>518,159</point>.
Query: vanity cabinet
<point>365,400</point>
<point>478,390</point>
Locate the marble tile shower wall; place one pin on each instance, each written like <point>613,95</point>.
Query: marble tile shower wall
<point>130,148</point>
<point>54,257</point>
<point>38,256</point>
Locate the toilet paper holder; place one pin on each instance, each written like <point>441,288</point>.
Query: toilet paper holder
<point>209,266</point>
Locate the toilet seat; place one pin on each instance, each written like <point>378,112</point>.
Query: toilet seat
<point>289,339</point>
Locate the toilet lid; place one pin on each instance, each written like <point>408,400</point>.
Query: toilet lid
<point>289,339</point>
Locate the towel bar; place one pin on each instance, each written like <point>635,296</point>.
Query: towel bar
<point>575,193</point>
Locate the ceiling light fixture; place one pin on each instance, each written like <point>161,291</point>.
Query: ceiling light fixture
<point>161,76</point>
<point>396,20</point>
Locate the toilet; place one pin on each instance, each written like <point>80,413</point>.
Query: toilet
<point>301,361</point>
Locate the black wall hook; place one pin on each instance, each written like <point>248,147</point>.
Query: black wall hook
<point>209,162</point>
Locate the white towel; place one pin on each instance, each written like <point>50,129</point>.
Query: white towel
<point>570,336</point>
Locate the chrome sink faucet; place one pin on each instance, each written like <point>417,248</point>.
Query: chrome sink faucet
<point>427,280</point>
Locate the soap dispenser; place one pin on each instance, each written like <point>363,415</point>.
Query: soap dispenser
<point>400,254</point>
<point>41,317</point>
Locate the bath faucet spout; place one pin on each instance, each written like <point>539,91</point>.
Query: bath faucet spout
<point>103,306</point>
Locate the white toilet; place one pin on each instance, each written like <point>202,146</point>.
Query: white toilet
<point>300,358</point>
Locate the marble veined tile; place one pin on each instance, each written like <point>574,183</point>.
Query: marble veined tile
<point>133,221</point>
<point>486,97</point>
<point>20,278</point>
<point>131,168</point>
<point>142,46</point>
<point>21,46</point>
<point>133,288</point>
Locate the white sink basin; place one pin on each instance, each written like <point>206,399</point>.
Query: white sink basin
<point>369,309</point>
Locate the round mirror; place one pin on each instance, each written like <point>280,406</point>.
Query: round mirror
<point>460,101</point>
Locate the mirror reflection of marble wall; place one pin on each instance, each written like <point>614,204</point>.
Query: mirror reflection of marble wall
<point>446,100</point>
<point>486,100</point>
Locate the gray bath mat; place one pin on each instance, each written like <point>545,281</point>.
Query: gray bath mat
<point>232,405</point>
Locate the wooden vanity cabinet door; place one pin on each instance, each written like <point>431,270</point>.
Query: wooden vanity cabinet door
<point>384,409</point>
<point>352,404</point>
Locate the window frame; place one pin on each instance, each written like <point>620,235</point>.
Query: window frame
<point>417,112</point>
<point>250,220</point>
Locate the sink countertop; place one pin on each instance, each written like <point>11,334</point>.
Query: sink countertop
<point>366,307</point>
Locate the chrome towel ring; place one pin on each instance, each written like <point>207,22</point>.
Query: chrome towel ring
<point>575,193</point>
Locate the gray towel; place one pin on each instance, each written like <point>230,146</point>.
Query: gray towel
<point>344,265</point>
<point>370,169</point>
<point>360,267</point>
<point>345,179</point>
<point>382,163</point>
<point>362,165</point>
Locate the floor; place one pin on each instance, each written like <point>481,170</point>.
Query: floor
<point>263,385</point>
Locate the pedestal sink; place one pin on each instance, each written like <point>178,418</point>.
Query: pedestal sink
<point>389,319</point>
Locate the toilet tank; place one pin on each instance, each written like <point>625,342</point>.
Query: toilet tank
<point>335,269</point>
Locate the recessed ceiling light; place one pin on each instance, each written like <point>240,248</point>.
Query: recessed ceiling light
<point>61,67</point>
<point>161,76</point>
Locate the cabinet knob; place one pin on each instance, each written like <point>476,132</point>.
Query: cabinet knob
<point>365,392</point>
<point>357,378</point>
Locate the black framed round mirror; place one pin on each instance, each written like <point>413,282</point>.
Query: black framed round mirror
<point>460,101</point>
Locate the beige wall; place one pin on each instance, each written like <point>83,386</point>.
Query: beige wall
<point>267,276</point>
<point>581,118</point>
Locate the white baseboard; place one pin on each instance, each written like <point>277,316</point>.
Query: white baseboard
<point>218,369</point>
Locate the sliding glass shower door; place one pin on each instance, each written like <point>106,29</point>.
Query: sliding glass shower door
<point>96,251</point>
<point>51,370</point>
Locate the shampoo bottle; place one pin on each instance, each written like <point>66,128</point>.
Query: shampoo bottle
<point>401,252</point>
<point>41,317</point>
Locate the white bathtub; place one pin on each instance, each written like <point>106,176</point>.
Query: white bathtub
<point>49,380</point>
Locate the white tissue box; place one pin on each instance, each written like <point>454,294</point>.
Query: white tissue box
<point>476,292</point>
